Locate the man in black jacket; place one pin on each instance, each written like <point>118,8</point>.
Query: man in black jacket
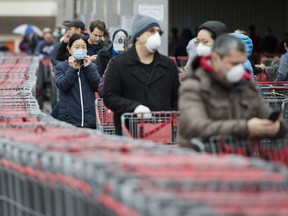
<point>141,79</point>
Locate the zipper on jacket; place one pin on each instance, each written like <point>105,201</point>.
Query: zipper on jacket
<point>81,98</point>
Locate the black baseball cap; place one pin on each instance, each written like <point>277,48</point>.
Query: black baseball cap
<point>75,23</point>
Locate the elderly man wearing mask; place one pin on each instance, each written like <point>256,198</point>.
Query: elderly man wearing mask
<point>220,98</point>
<point>141,79</point>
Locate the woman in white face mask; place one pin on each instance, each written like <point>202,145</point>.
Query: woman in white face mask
<point>220,98</point>
<point>204,41</point>
<point>206,35</point>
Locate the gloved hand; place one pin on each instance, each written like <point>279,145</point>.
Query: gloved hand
<point>143,111</point>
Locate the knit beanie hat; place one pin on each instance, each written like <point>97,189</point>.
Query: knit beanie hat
<point>140,24</point>
<point>216,27</point>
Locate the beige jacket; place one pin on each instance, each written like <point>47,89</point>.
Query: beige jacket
<point>212,106</point>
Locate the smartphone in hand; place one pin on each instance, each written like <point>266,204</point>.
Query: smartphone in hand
<point>274,115</point>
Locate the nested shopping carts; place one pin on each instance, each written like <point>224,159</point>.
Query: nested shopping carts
<point>104,118</point>
<point>159,127</point>
<point>44,80</point>
<point>267,149</point>
<point>17,76</point>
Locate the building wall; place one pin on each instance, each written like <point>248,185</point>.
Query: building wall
<point>236,14</point>
<point>191,13</point>
<point>10,22</point>
<point>15,12</point>
<point>120,13</point>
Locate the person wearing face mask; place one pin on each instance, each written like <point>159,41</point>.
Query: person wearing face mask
<point>111,50</point>
<point>204,41</point>
<point>220,98</point>
<point>77,80</point>
<point>141,79</point>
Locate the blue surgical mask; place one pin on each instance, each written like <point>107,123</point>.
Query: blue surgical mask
<point>79,54</point>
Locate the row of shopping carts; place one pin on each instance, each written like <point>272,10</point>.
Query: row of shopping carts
<point>53,173</point>
<point>48,167</point>
<point>51,169</point>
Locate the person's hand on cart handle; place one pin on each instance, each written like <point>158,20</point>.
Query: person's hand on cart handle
<point>262,66</point>
<point>143,110</point>
<point>263,127</point>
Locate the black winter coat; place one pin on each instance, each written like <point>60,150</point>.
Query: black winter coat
<point>103,58</point>
<point>77,102</point>
<point>127,85</point>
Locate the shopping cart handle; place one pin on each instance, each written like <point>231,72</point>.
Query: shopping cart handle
<point>197,142</point>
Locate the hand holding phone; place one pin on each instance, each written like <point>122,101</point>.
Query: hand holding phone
<point>274,115</point>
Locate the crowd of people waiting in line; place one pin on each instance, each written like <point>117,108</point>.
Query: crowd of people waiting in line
<point>217,96</point>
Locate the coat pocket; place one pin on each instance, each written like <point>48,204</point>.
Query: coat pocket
<point>217,109</point>
<point>249,108</point>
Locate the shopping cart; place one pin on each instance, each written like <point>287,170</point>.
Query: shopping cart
<point>268,149</point>
<point>271,72</point>
<point>272,61</point>
<point>160,127</point>
<point>104,118</point>
<point>275,94</point>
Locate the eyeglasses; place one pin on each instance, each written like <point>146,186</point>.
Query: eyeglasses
<point>154,30</point>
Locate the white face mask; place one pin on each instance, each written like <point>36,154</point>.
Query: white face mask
<point>203,50</point>
<point>153,42</point>
<point>235,73</point>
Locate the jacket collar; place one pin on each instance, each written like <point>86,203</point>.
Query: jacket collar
<point>134,58</point>
<point>107,50</point>
<point>159,61</point>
